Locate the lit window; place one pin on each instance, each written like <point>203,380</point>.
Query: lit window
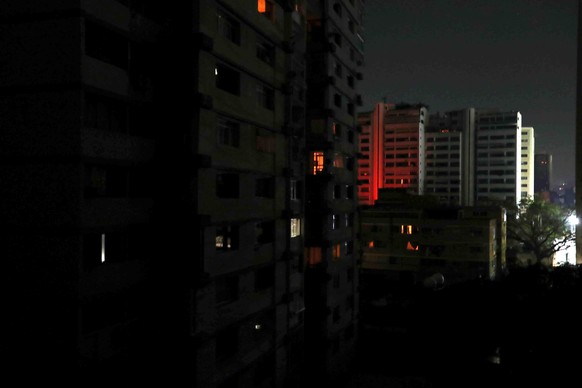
<point>226,238</point>
<point>336,251</point>
<point>411,247</point>
<point>295,227</point>
<point>316,162</point>
<point>405,229</point>
<point>313,255</point>
<point>370,244</point>
<point>266,7</point>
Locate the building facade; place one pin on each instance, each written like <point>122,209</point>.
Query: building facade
<point>410,239</point>
<point>543,173</point>
<point>528,164</point>
<point>154,196</point>
<point>450,157</point>
<point>335,48</point>
<point>498,156</point>
<point>392,145</point>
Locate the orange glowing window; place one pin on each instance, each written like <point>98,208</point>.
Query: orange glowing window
<point>405,229</point>
<point>411,247</point>
<point>336,251</point>
<point>262,6</point>
<point>444,131</point>
<point>316,162</point>
<point>370,244</point>
<point>313,255</point>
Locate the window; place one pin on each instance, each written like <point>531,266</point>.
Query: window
<point>349,191</point>
<point>265,142</point>
<point>227,343</point>
<point>227,79</point>
<point>265,96</point>
<point>105,113</point>
<point>226,289</point>
<point>265,187</point>
<point>228,132</point>
<point>336,251</point>
<point>295,227</point>
<point>350,81</point>
<point>264,278</point>
<point>295,190</point>
<point>316,162</point>
<point>106,45</point>
<point>337,100</point>
<point>227,185</point>
<point>337,191</point>
<point>265,51</point>
<point>93,250</point>
<point>337,69</point>
<point>405,229</point>
<point>338,161</point>
<point>105,181</point>
<point>228,27</point>
<point>226,238</point>
<point>266,8</point>
<point>264,232</point>
<point>351,108</point>
<point>338,9</point>
<point>335,221</point>
<point>336,129</point>
<point>312,255</point>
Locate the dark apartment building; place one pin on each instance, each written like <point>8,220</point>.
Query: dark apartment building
<point>543,173</point>
<point>156,168</point>
<point>334,63</point>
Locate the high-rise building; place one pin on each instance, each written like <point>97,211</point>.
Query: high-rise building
<point>392,150</point>
<point>498,156</point>
<point>335,48</point>
<point>579,139</point>
<point>528,166</point>
<point>450,157</point>
<point>154,186</point>
<point>542,173</point>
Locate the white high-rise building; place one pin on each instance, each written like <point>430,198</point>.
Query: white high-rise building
<point>527,161</point>
<point>498,159</point>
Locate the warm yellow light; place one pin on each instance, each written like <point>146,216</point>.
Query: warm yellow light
<point>411,247</point>
<point>371,244</point>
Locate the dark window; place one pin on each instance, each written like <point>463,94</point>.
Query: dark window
<point>265,187</point>
<point>106,45</point>
<point>226,238</point>
<point>105,113</point>
<point>105,181</point>
<point>227,343</point>
<point>228,132</point>
<point>349,191</point>
<point>265,51</point>
<point>228,26</point>
<point>265,96</point>
<point>337,191</point>
<point>227,79</point>
<point>265,232</point>
<point>264,278</point>
<point>226,289</point>
<point>350,81</point>
<point>227,185</point>
<point>337,100</point>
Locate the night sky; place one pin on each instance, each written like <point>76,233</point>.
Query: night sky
<point>452,54</point>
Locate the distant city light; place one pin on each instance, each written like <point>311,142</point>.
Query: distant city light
<point>258,327</point>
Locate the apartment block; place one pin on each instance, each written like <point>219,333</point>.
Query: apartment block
<point>542,173</point>
<point>392,153</point>
<point>154,185</point>
<point>450,157</point>
<point>409,239</point>
<point>498,156</point>
<point>334,64</point>
<point>527,162</point>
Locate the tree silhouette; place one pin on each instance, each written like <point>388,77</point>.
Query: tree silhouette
<point>543,228</point>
